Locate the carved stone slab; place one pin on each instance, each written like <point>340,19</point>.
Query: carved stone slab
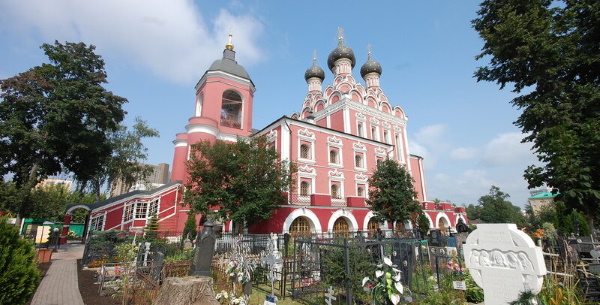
<point>504,261</point>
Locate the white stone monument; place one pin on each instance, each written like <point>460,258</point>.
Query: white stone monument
<point>504,261</point>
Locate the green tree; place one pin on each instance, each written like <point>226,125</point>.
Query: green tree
<point>19,275</point>
<point>56,117</point>
<point>494,208</point>
<point>392,196</point>
<point>548,52</point>
<point>48,202</point>
<point>189,229</point>
<point>125,161</point>
<point>244,180</point>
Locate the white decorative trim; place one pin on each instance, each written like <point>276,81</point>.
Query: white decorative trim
<point>374,122</point>
<point>397,129</point>
<point>271,136</point>
<point>380,152</point>
<point>305,133</point>
<point>359,147</point>
<point>386,125</point>
<point>361,177</point>
<point>334,139</point>
<point>306,169</point>
<point>342,213</point>
<point>336,173</point>
<point>360,117</point>
<point>315,224</point>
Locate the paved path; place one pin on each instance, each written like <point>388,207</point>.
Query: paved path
<point>60,286</point>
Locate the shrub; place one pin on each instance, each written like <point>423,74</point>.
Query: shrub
<point>19,275</point>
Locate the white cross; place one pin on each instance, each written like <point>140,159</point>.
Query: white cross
<point>329,296</point>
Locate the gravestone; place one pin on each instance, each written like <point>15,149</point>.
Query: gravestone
<point>504,261</point>
<point>187,244</point>
<point>274,262</point>
<point>205,248</point>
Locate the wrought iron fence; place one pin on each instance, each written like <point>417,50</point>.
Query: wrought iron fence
<point>337,266</point>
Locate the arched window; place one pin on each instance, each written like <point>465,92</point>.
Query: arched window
<point>341,227</point>
<point>231,109</point>
<point>358,161</point>
<point>372,227</point>
<point>304,151</point>
<point>360,191</point>
<point>335,191</point>
<point>360,130</point>
<point>385,137</point>
<point>334,156</point>
<point>304,188</point>
<point>300,226</point>
<point>379,162</point>
<point>373,133</point>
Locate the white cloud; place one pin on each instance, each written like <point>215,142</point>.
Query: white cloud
<point>463,153</point>
<point>507,149</point>
<point>431,135</point>
<point>169,38</point>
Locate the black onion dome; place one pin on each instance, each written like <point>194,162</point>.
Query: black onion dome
<point>314,71</point>
<point>340,52</point>
<point>370,66</point>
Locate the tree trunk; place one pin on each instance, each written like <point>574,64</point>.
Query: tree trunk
<point>189,290</point>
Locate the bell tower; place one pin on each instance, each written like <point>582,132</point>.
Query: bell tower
<point>222,111</point>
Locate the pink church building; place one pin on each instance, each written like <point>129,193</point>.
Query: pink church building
<point>342,130</point>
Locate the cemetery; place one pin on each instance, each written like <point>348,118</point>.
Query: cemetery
<point>493,264</point>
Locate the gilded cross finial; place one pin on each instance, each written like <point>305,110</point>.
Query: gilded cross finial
<point>340,34</point>
<point>369,50</point>
<point>314,55</point>
<point>229,45</point>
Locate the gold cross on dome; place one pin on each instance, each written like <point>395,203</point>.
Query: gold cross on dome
<point>314,55</point>
<point>369,49</point>
<point>340,34</point>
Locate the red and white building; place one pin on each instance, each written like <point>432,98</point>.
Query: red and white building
<point>340,133</point>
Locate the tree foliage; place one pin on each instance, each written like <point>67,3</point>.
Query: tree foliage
<point>55,117</point>
<point>549,51</point>
<point>47,202</point>
<point>392,194</point>
<point>125,161</point>
<point>244,181</point>
<point>494,208</point>
<point>19,275</point>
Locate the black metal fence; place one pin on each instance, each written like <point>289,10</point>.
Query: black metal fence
<point>334,268</point>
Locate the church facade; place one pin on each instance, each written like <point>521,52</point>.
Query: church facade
<point>341,131</point>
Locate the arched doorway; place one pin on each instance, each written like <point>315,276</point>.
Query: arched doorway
<point>341,228</point>
<point>300,227</point>
<point>372,227</point>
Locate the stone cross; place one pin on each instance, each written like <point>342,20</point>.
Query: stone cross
<point>329,296</point>
<point>205,248</point>
<point>504,261</point>
<point>273,260</point>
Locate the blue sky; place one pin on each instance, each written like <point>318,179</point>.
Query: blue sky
<point>155,52</point>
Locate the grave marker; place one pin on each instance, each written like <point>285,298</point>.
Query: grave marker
<point>504,261</point>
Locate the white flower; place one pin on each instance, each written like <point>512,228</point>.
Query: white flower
<point>379,273</point>
<point>387,261</point>
<point>399,287</point>
<point>395,298</point>
<point>365,281</point>
<point>397,277</point>
<point>218,296</point>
